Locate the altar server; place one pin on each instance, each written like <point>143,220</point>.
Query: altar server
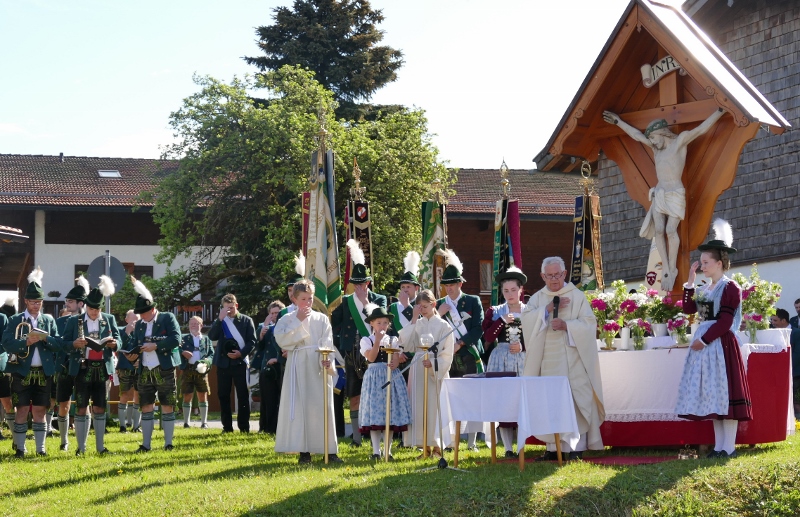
<point>560,341</point>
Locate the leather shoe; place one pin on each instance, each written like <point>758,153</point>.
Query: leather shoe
<point>186,426</point>
<point>78,453</point>
<point>203,426</point>
<point>376,457</point>
<point>169,447</point>
<point>716,454</point>
<point>305,457</point>
<point>575,455</point>
<point>549,456</point>
<point>511,454</point>
<point>41,453</point>
<point>141,449</point>
<point>333,458</point>
<point>64,446</point>
<point>123,429</point>
<point>19,454</point>
<point>104,452</point>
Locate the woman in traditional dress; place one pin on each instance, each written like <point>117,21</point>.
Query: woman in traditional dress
<point>373,397</point>
<point>502,324</point>
<point>714,385</point>
<point>426,320</point>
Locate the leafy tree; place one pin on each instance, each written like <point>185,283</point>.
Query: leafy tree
<point>234,202</point>
<point>337,40</point>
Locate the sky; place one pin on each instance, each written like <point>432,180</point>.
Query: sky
<point>100,78</point>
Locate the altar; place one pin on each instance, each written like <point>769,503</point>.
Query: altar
<point>640,390</point>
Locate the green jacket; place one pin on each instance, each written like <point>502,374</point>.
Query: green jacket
<point>108,327</point>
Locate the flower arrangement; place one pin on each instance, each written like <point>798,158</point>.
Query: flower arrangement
<point>758,300</point>
<point>514,331</point>
<point>678,326</point>
<point>608,331</point>
<point>639,327</point>
<point>661,310</point>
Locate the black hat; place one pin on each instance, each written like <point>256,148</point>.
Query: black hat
<point>411,266</point>
<point>34,290</point>
<point>724,237</point>
<point>360,272</point>
<point>97,296</point>
<point>80,291</point>
<point>378,312</point>
<point>452,273</point>
<point>512,273</point>
<point>230,345</point>
<point>8,308</point>
<point>299,270</point>
<point>144,300</point>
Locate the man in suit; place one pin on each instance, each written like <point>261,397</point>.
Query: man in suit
<point>197,353</point>
<point>155,341</point>
<point>63,381</point>
<point>348,323</point>
<point>235,335</point>
<point>31,363</point>
<point>269,360</point>
<point>91,367</point>
<point>468,347</point>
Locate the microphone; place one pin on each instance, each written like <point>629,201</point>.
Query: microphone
<point>556,301</point>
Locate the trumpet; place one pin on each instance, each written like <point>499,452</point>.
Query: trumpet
<point>18,334</point>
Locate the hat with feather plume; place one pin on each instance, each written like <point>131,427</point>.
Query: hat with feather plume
<point>144,300</point>
<point>97,296</point>
<point>34,290</point>
<point>411,269</point>
<point>453,268</point>
<point>723,237</point>
<point>299,270</point>
<point>79,292</point>
<point>360,273</point>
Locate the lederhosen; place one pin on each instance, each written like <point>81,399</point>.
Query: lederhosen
<point>90,383</point>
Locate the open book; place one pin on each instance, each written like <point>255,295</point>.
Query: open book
<point>97,344</point>
<point>42,335</point>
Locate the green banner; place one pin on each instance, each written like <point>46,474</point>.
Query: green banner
<point>322,258</point>
<point>433,239</point>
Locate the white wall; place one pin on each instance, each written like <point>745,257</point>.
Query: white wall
<point>58,260</point>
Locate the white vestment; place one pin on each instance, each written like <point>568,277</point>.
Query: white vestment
<point>417,375</point>
<point>301,417</point>
<point>571,353</point>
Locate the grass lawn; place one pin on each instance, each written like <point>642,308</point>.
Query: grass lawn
<point>233,474</point>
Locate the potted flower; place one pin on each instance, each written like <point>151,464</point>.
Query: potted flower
<point>54,294</point>
<point>609,330</point>
<point>758,301</point>
<point>639,327</point>
<point>661,310</point>
<point>678,327</point>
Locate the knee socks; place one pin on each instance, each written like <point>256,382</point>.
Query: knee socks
<point>204,412</point>
<point>354,423</point>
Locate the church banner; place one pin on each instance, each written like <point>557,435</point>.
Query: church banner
<point>359,227</point>
<point>507,251</point>
<point>433,240</point>
<point>586,265</point>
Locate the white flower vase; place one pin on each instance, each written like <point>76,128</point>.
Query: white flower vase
<point>659,329</point>
<point>625,338</point>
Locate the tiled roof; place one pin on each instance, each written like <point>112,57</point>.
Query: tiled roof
<point>539,193</point>
<point>37,180</point>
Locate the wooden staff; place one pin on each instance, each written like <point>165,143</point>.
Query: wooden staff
<point>387,437</point>
<point>325,352</point>
<point>426,341</point>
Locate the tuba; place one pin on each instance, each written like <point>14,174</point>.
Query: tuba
<point>22,331</point>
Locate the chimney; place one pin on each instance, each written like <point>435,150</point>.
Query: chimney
<point>61,157</point>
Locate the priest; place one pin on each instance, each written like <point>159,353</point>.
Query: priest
<point>559,329</point>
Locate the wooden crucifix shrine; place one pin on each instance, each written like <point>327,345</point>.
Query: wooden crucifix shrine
<point>677,115</point>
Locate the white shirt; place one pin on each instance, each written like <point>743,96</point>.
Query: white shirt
<point>150,359</point>
<point>196,352</point>
<point>91,326</point>
<point>36,360</point>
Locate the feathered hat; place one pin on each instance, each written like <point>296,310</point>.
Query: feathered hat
<point>144,300</point>
<point>411,267</point>
<point>34,290</point>
<point>97,296</point>
<point>512,273</point>
<point>360,273</point>
<point>723,237</point>
<point>453,270</point>
<point>299,270</point>
<point>80,291</point>
<point>9,308</point>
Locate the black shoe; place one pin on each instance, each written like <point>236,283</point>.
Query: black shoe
<point>734,454</point>
<point>141,449</point>
<point>123,429</point>
<point>169,447</point>
<point>548,456</point>
<point>49,434</point>
<point>79,453</point>
<point>715,454</point>
<point>203,426</point>
<point>511,454</point>
<point>41,453</point>
<point>333,458</point>
<point>19,454</point>
<point>305,457</point>
<point>226,431</point>
<point>355,444</point>
<point>64,447</point>
<point>104,452</point>
<point>136,430</point>
<point>448,449</point>
<point>186,426</point>
<point>376,457</point>
<point>575,455</point>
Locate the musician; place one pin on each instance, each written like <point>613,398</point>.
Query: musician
<point>89,367</point>
<point>269,360</point>
<point>235,335</point>
<point>33,364</point>
<point>128,408</point>
<point>563,343</point>
<point>348,322</point>
<point>403,308</point>
<point>300,417</point>
<point>7,310</point>
<point>197,353</point>
<point>64,382</point>
<point>157,339</point>
<point>468,347</point>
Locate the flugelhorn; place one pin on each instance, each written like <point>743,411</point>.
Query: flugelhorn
<point>18,334</point>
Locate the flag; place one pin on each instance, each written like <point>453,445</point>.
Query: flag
<point>359,227</point>
<point>433,239</point>
<point>507,250</point>
<point>322,258</point>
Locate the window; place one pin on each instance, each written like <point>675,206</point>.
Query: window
<point>109,174</point>
<point>487,268</point>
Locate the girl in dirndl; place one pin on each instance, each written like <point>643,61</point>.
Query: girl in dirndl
<point>502,324</point>
<point>714,385</point>
<point>373,398</point>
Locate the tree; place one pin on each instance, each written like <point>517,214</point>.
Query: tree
<point>234,203</point>
<point>337,40</point>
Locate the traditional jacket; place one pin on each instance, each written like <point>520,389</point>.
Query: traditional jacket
<point>167,334</point>
<point>47,349</point>
<point>470,304</point>
<point>266,349</point>
<point>347,331</point>
<point>122,361</point>
<point>108,327</point>
<point>244,324</point>
<point>3,354</point>
<point>206,349</point>
<point>406,313</point>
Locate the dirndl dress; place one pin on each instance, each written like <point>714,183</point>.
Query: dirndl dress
<point>372,410</point>
<point>714,383</point>
<point>501,359</point>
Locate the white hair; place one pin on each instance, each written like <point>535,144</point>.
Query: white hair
<point>549,261</point>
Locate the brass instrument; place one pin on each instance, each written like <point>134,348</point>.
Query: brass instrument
<point>18,334</point>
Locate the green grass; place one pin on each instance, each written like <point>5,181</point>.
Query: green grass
<point>213,474</point>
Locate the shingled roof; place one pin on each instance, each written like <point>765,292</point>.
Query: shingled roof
<point>539,193</point>
<point>74,181</point>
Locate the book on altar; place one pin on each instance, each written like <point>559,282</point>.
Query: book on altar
<point>97,344</point>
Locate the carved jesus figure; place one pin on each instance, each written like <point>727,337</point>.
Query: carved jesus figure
<point>668,197</point>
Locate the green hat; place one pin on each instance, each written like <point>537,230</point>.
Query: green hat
<point>97,296</point>
<point>79,292</point>
<point>452,273</point>
<point>144,300</point>
<point>360,274</point>
<point>411,266</point>
<point>379,312</point>
<point>34,290</point>
<point>409,278</point>
<point>512,273</point>
<point>655,126</point>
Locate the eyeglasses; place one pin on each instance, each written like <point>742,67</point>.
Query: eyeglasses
<point>553,277</point>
